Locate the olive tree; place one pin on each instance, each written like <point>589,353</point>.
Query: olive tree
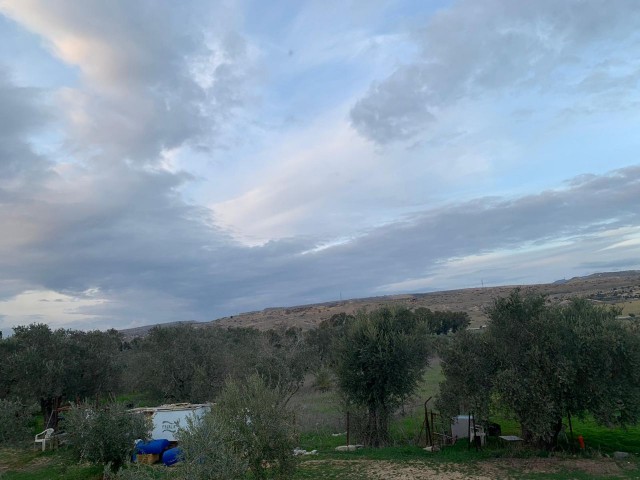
<point>50,366</point>
<point>381,358</point>
<point>16,421</point>
<point>543,362</point>
<point>104,435</point>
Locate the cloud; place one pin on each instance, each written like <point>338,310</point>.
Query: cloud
<point>498,48</point>
<point>23,114</point>
<point>99,220</point>
<point>147,256</point>
<point>152,75</point>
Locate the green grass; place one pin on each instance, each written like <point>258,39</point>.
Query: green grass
<point>26,464</point>
<point>608,440</point>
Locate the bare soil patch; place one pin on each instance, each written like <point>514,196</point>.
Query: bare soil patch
<point>484,470</point>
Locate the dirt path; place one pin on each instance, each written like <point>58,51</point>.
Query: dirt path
<point>485,470</point>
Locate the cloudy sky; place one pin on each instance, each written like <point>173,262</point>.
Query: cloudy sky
<point>165,160</point>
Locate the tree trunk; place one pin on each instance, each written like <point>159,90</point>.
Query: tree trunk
<point>556,432</point>
<point>548,443</point>
<point>377,430</point>
<point>49,407</point>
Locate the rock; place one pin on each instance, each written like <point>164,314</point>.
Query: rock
<point>301,451</point>
<point>620,455</point>
<point>348,448</point>
<point>434,448</point>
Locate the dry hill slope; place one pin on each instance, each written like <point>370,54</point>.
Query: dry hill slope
<point>622,288</point>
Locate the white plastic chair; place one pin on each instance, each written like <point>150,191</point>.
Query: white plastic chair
<point>44,438</point>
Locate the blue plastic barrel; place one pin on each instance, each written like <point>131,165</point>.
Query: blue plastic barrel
<point>171,456</point>
<point>152,446</point>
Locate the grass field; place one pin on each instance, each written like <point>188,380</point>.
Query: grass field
<point>22,463</point>
<point>631,307</point>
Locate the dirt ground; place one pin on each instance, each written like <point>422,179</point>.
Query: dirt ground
<point>484,470</point>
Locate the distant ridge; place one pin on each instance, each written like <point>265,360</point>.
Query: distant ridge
<point>604,285</point>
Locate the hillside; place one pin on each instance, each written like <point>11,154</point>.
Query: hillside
<point>620,288</point>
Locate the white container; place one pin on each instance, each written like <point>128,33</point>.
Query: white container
<point>167,418</point>
<point>460,426</point>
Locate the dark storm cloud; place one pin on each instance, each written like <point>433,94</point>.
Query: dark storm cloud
<point>156,258</point>
<point>495,47</point>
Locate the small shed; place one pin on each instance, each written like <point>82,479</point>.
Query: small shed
<point>167,418</point>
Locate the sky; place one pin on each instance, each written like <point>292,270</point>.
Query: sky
<point>165,161</point>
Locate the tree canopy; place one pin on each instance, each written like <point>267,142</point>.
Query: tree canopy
<point>48,367</point>
<point>381,358</point>
<point>542,362</point>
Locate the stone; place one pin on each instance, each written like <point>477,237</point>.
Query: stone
<point>348,448</point>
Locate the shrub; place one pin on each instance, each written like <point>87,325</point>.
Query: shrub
<point>249,428</point>
<point>15,421</point>
<point>211,450</point>
<point>104,435</point>
<point>323,381</point>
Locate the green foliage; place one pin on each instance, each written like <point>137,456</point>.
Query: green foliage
<point>324,339</point>
<point>543,362</point>
<point>248,428</point>
<point>15,421</point>
<point>443,322</point>
<point>323,381</point>
<point>191,364</point>
<point>48,367</point>
<point>469,376</point>
<point>211,450</point>
<point>105,435</point>
<point>283,360</point>
<point>381,358</point>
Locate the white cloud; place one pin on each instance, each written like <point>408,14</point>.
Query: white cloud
<point>151,78</point>
<point>494,49</point>
<point>56,309</point>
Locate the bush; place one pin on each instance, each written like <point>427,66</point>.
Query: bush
<point>323,381</point>
<point>249,428</point>
<point>105,435</point>
<point>15,421</point>
<point>211,450</point>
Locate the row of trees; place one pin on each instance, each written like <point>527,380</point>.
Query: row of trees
<point>181,363</point>
<point>538,362</point>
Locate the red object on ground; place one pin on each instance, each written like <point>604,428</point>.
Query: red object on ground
<point>581,442</point>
